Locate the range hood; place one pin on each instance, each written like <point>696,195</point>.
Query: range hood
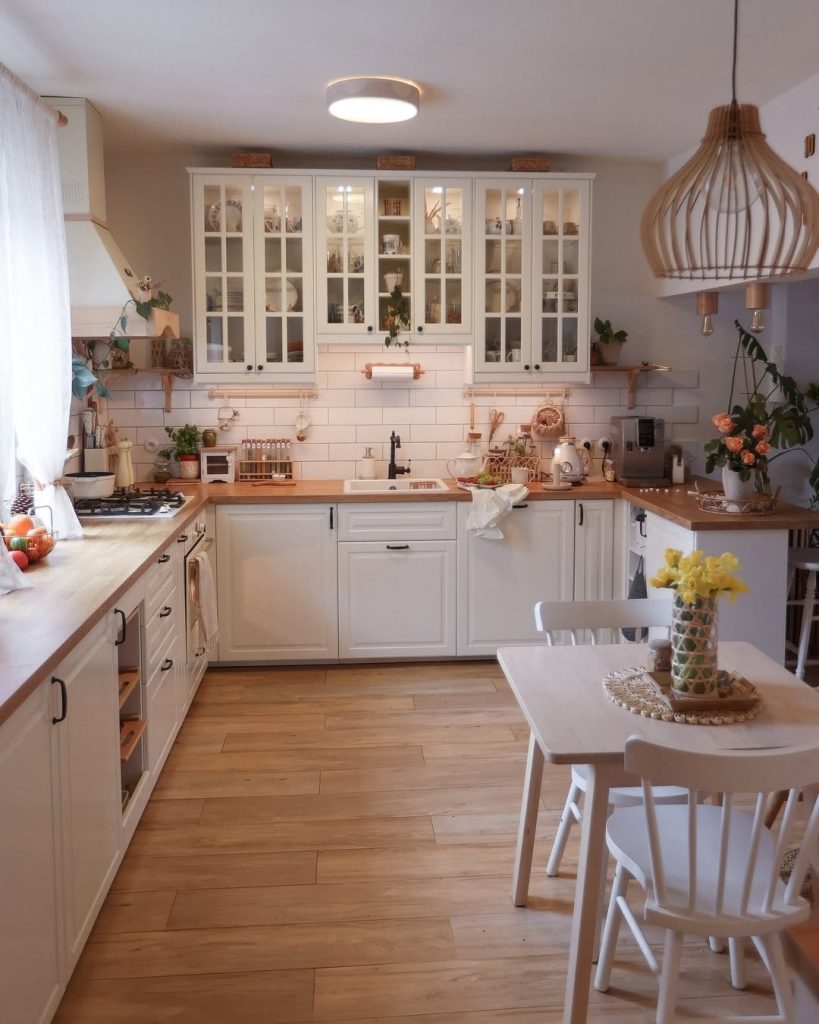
<point>100,278</point>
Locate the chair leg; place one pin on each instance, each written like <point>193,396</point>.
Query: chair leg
<point>736,952</point>
<point>562,834</point>
<point>807,622</point>
<point>611,930</point>
<point>669,977</point>
<point>770,948</point>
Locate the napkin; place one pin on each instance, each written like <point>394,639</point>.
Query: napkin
<point>491,507</point>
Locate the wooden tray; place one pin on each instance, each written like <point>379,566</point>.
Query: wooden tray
<point>128,680</point>
<point>735,693</point>
<point>130,731</point>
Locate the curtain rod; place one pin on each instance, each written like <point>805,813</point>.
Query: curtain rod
<point>58,115</point>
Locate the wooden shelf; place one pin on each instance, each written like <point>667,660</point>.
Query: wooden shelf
<point>128,682</point>
<point>633,373</point>
<point>130,732</point>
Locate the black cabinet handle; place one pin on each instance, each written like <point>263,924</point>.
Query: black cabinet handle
<point>641,519</point>
<point>166,611</point>
<point>249,366</point>
<point>163,559</point>
<point>420,328</point>
<point>580,508</point>
<point>199,652</point>
<point>523,504</point>
<point>537,366</point>
<point>526,366</point>
<point>369,328</point>
<point>124,630</point>
<point>181,538</point>
<point>260,367</point>
<point>63,699</point>
<point>166,664</point>
<point>398,547</point>
<point>331,518</point>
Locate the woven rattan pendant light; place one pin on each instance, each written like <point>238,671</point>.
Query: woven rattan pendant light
<point>735,209</point>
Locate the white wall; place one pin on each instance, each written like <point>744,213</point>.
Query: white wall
<point>148,213</point>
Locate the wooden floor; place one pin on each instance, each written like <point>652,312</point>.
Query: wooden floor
<point>336,845</point>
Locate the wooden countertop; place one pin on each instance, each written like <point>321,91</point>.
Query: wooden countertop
<point>81,580</point>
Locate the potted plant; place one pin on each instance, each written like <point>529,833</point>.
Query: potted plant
<point>186,442</point>
<point>162,470</point>
<point>609,341</point>
<point>397,318</point>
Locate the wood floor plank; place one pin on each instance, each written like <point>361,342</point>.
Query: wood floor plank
<point>414,862</point>
<point>434,671</point>
<point>294,759</point>
<point>451,718</point>
<point>365,900</point>
<point>452,751</point>
<point>134,912</point>
<point>143,873</point>
<point>261,697</point>
<point>370,737</point>
<point>359,834</point>
<point>171,813</point>
<point>228,811</point>
<point>283,947</point>
<point>430,776</point>
<point>272,997</point>
<point>491,827</point>
<point>306,676</point>
<point>175,784</point>
<point>471,701</point>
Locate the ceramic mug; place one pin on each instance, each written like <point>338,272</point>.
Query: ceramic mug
<point>494,226</point>
<point>513,355</point>
<point>391,280</point>
<point>519,475</point>
<point>391,243</point>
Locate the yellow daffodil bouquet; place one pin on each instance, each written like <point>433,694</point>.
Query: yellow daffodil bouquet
<point>697,576</point>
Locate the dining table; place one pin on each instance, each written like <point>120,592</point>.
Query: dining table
<point>572,721</point>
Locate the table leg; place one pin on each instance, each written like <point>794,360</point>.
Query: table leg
<point>587,894</point>
<point>528,822</point>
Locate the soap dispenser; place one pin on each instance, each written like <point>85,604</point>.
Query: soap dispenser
<point>366,465</point>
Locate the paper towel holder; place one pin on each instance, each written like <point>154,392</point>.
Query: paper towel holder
<point>394,371</point>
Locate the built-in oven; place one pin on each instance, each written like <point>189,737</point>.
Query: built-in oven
<point>197,546</point>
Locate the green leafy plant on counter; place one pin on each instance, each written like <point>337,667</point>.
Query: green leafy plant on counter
<point>397,318</point>
<point>776,402</point>
<point>606,333</point>
<point>186,439</point>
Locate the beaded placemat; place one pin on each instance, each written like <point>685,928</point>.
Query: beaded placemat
<point>633,690</point>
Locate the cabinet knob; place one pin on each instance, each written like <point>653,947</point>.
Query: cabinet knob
<point>537,366</point>
<point>420,328</point>
<point>370,328</point>
<point>259,368</point>
<point>526,366</point>
<point>249,367</point>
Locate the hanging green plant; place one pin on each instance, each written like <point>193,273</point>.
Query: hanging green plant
<point>397,318</point>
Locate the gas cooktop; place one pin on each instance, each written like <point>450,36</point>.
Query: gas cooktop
<point>128,504</point>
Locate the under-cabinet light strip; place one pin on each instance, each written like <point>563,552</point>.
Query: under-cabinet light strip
<point>474,392</point>
<point>263,393</point>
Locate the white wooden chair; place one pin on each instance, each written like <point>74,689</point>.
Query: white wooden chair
<point>585,622</point>
<point>711,869</point>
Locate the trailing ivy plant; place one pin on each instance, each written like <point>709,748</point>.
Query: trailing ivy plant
<point>787,416</point>
<point>398,318</point>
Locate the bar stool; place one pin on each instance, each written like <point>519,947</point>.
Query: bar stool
<point>807,560</point>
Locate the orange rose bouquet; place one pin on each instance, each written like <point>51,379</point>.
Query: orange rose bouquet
<point>743,444</point>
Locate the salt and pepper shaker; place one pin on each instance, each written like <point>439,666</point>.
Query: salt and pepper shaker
<point>659,655</point>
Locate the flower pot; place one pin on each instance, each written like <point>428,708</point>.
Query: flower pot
<point>734,487</point>
<point>694,647</point>
<point>188,467</point>
<point>609,352</point>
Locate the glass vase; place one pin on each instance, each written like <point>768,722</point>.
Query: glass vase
<point>694,647</point>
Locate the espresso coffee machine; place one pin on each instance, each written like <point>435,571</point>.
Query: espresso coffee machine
<point>638,450</point>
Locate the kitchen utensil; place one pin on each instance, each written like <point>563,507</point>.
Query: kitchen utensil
<point>90,485</point>
<point>495,419</point>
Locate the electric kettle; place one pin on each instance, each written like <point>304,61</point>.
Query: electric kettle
<point>467,464</point>
<point>568,458</point>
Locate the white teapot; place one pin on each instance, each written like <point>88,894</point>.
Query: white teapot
<point>467,464</point>
<point>568,458</point>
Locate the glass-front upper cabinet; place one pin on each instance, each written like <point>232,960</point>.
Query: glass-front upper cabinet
<point>396,250</point>
<point>345,258</point>
<point>443,273</point>
<point>560,271</point>
<point>253,271</point>
<point>502,306</point>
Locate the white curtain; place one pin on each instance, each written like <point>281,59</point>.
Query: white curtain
<point>35,322</point>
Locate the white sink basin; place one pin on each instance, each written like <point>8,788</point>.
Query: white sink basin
<point>402,486</point>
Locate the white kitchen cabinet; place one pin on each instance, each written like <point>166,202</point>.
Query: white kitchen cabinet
<point>397,581</point>
<point>532,275</point>
<point>30,935</point>
<point>593,565</point>
<point>253,276</point>
<point>499,581</point>
<point>277,582</point>
<point>551,551</point>
<point>89,781</point>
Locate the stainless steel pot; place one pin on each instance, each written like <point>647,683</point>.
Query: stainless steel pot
<point>90,485</point>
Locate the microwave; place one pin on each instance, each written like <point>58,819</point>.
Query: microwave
<point>218,465</point>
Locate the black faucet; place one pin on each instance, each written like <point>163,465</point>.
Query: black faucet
<point>392,470</point>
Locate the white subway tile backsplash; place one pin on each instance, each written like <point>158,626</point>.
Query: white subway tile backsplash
<point>356,415</point>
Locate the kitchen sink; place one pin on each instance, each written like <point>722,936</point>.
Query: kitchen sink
<point>402,486</point>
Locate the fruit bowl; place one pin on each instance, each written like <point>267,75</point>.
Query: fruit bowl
<point>22,533</point>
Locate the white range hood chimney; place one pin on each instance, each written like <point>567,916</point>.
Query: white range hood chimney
<point>100,278</point>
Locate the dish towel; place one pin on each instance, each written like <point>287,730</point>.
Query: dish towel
<point>491,507</point>
<point>206,598</point>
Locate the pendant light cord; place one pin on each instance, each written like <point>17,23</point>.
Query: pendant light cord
<point>734,64</point>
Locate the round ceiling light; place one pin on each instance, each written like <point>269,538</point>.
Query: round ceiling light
<point>371,100</point>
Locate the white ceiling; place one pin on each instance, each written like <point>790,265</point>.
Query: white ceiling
<point>622,78</point>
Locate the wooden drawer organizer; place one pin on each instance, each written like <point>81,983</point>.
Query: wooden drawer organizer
<point>265,459</point>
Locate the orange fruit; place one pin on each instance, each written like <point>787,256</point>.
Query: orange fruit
<point>21,524</point>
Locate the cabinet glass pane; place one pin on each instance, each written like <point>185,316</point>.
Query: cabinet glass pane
<point>212,208</point>
<point>236,339</point>
<point>454,302</point>
<point>432,301</point>
<point>233,255</point>
<point>394,212</point>
<point>569,339</point>
<point>345,227</point>
<point>213,255</point>
<point>213,293</point>
<point>272,210</point>
<point>492,334</point>
<point>272,256</point>
<point>273,339</point>
<point>295,339</point>
<point>503,286</point>
<point>215,346</point>
<point>292,211</point>
<point>548,340</point>
<point>293,255</point>
<point>235,294</point>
